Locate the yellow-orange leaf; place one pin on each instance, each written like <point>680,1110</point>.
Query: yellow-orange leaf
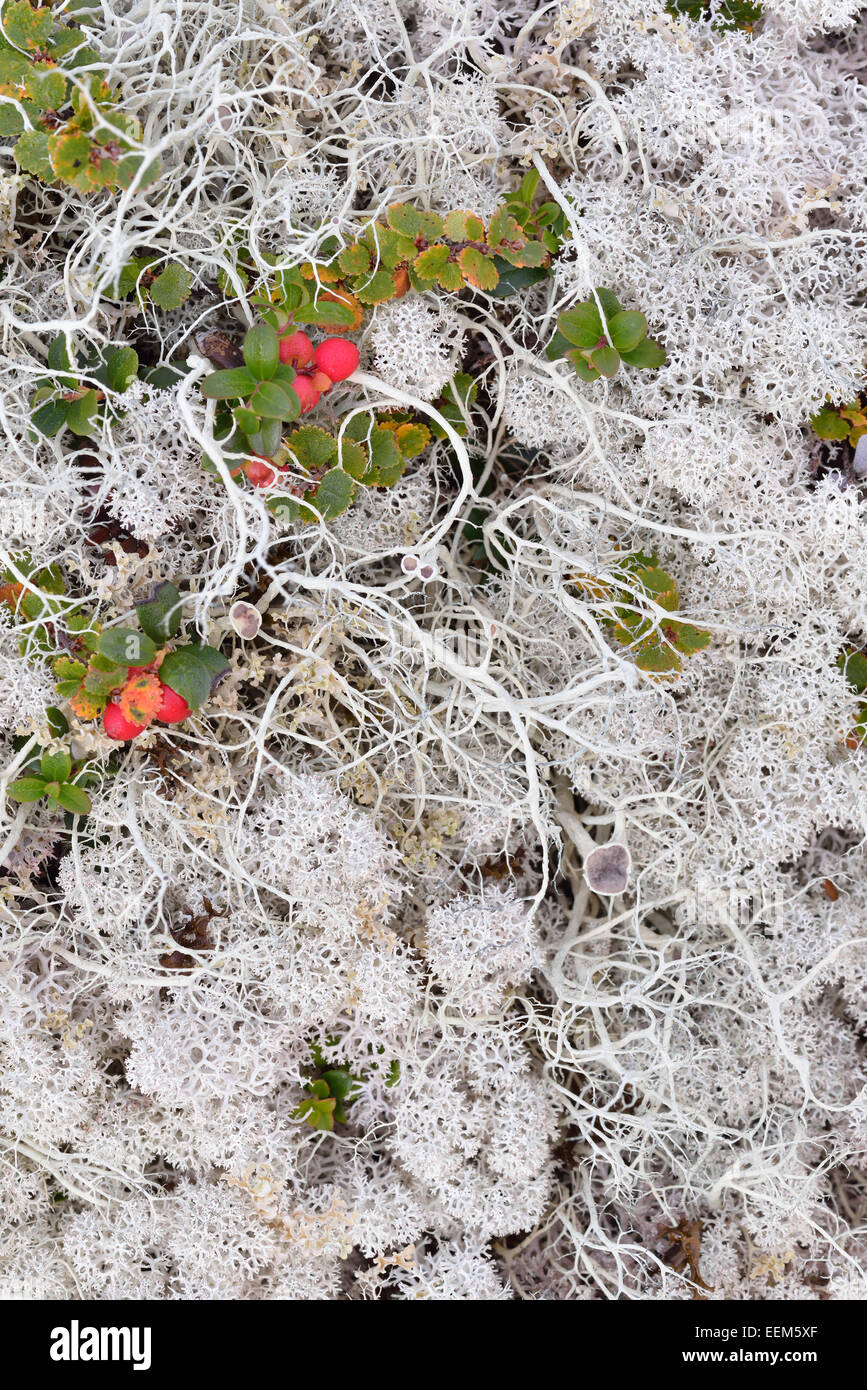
<point>140,698</point>
<point>86,704</point>
<point>10,593</point>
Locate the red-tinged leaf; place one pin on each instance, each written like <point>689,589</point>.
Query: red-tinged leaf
<point>534,254</point>
<point>478,269</point>
<point>503,227</point>
<point>401,282</point>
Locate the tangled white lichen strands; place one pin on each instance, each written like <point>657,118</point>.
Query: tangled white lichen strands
<point>443,830</point>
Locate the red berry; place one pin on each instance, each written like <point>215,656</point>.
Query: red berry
<point>116,726</point>
<point>296,349</point>
<point>174,707</point>
<point>306,392</point>
<point>260,472</point>
<point>337,357</point>
<point>321,382</point>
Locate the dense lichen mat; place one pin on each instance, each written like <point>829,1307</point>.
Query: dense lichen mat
<point>433,650</point>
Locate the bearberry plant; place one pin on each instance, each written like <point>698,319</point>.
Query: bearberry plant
<point>68,120</point>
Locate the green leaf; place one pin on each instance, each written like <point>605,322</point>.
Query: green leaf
<point>354,260</point>
<point>386,462</point>
<point>160,615</point>
<point>57,721</point>
<point>503,227</point>
<point>284,508</point>
<point>647,354</point>
<point>46,86</point>
<point>126,646</point>
<point>582,366</point>
<point>121,367</point>
<point>854,668</point>
<point>69,155</point>
<point>274,400</point>
<point>25,27</point>
<point>11,123</point>
<point>626,330</point>
<point>81,412</point>
<point>326,311</point>
<point>32,154</point>
<point>352,457</point>
<point>606,360</point>
<point>464,226</point>
<point>514,278</point>
<point>59,356</point>
<point>27,789</point>
<point>689,639</point>
<point>430,262</point>
<point>379,288</point>
<point>528,186</point>
<point>194,672</point>
<point>729,14</point>
<point>310,448</point>
<point>103,675</point>
<point>534,255</point>
<point>581,325</point>
<point>68,676</point>
<point>228,385</point>
<point>610,303</point>
<point>55,767</point>
<point>455,404</point>
<point>267,441</point>
<point>829,425</point>
<point>387,247</point>
<point>658,584</point>
<point>50,418</point>
<point>14,66</point>
<point>412,438</point>
<point>655,656</point>
<point>558,347</point>
<point>170,289</point>
<point>247,421</point>
<point>413,222</point>
<point>262,351</point>
<point>333,495</point>
<point>318,1113</point>
<point>339,1082</point>
<point>73,799</point>
<point>451,279</point>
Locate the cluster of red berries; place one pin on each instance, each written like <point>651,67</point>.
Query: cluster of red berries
<point>316,371</point>
<point>172,709</point>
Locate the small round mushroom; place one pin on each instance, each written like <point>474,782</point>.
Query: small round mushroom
<point>409,564</point>
<point>606,869</point>
<point>245,620</point>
